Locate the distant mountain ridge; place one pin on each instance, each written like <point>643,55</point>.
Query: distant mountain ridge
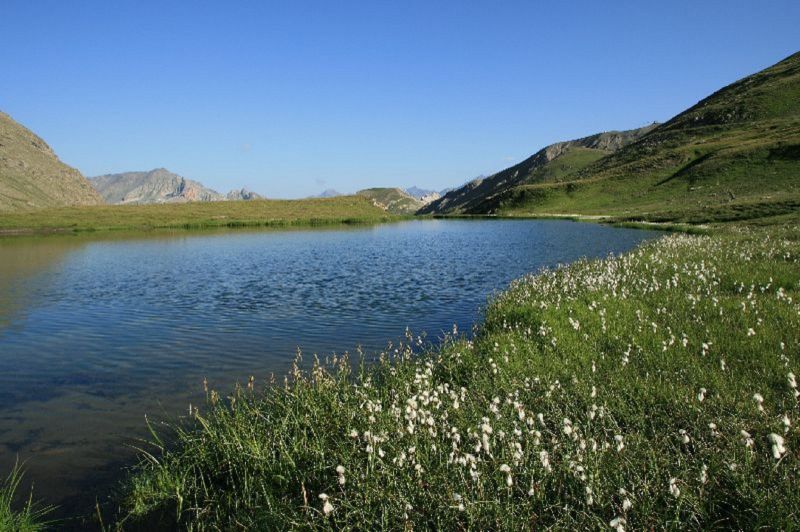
<point>159,186</point>
<point>540,167</point>
<point>392,200</point>
<point>32,176</point>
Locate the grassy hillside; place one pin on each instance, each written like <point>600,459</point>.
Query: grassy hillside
<point>734,154</point>
<point>393,200</point>
<point>31,176</point>
<point>551,163</point>
<point>344,209</point>
<point>654,390</point>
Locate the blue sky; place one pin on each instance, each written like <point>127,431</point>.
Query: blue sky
<point>292,98</point>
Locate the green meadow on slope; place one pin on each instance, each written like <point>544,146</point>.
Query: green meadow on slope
<point>734,155</point>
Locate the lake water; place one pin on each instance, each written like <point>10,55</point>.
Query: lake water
<point>96,332</point>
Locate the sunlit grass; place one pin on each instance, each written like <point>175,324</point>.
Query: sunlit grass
<point>18,514</point>
<point>656,389</point>
<point>321,211</point>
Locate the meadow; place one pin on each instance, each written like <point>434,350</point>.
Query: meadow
<point>656,389</point>
<point>195,215</point>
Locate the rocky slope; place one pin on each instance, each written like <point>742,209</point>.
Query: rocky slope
<point>32,176</point>
<point>243,195</point>
<point>156,186</point>
<point>548,164</point>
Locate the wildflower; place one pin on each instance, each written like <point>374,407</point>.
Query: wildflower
<point>787,423</point>
<point>778,448</point>
<point>354,434</point>
<point>340,472</point>
<point>684,436</point>
<point>544,457</point>
<point>327,507</point>
<point>759,399</point>
<point>751,332</point>
<point>673,488</point>
<point>626,504</point>
<point>747,439</point>
<point>618,524</point>
<point>567,426</point>
<point>793,384</point>
<point>704,474</point>
<point>701,395</point>
<point>620,442</point>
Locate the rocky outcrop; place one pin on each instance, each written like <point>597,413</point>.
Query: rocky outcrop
<point>156,186</point>
<point>243,194</point>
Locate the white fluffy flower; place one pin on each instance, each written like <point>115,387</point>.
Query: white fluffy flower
<point>778,449</point>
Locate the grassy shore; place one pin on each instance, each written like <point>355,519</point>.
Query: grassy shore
<point>656,389</point>
<point>27,518</point>
<point>345,209</point>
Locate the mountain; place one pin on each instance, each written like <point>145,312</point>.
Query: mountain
<point>733,155</point>
<point>425,196</point>
<point>329,193</point>
<point>156,186</point>
<point>32,176</point>
<point>392,200</point>
<point>548,164</point>
<point>419,193</point>
<point>243,194</point>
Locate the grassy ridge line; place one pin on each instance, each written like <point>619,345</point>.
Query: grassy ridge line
<point>346,209</point>
<point>655,389</point>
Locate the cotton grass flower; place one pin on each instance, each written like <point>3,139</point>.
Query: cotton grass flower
<point>759,399</point>
<point>778,448</point>
<point>674,490</point>
<point>327,507</point>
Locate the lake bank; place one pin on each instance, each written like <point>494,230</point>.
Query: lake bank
<point>195,215</point>
<point>96,331</point>
<point>651,389</point>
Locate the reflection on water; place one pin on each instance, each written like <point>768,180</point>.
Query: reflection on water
<point>96,332</point>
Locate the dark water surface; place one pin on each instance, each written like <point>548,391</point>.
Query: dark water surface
<point>95,332</point>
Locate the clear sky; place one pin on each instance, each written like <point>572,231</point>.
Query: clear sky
<point>292,98</point>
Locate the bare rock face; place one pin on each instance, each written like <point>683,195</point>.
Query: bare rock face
<point>156,186</point>
<point>32,176</point>
<point>243,194</point>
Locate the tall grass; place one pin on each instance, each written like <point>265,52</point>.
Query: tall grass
<point>656,389</point>
<point>27,517</point>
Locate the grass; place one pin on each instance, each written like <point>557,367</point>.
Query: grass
<point>344,209</point>
<point>28,517</point>
<point>656,389</point>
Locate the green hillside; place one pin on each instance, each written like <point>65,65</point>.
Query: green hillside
<point>31,176</point>
<point>392,200</point>
<point>552,163</point>
<point>734,155</point>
